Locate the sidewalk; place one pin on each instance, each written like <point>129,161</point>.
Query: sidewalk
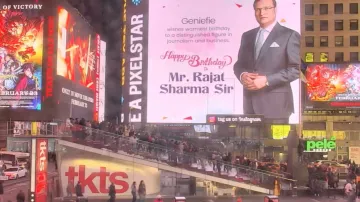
<point>218,199</point>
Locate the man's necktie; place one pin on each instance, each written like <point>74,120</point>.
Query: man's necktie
<point>259,43</point>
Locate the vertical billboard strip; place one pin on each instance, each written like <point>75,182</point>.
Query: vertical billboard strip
<point>50,59</point>
<point>102,81</point>
<point>124,86</point>
<point>202,61</point>
<point>97,79</point>
<point>21,54</point>
<point>33,169</point>
<point>135,60</point>
<point>41,170</point>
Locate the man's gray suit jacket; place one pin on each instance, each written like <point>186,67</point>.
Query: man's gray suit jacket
<point>279,63</point>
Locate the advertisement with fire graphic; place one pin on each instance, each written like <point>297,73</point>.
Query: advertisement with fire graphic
<point>77,64</point>
<point>334,85</point>
<point>76,50</point>
<point>21,54</point>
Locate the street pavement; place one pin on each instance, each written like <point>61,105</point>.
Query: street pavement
<point>51,172</point>
<point>244,199</point>
<point>11,191</point>
<point>17,181</point>
<point>325,199</point>
<point>12,187</point>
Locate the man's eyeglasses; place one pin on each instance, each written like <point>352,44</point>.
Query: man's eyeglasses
<point>263,9</point>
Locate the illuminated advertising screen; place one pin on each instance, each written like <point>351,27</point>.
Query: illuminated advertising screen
<point>77,63</point>
<point>331,85</point>
<point>101,83</point>
<point>232,58</point>
<point>21,55</point>
<point>280,132</point>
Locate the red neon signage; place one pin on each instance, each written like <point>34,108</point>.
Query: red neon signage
<point>49,78</point>
<point>41,170</point>
<point>87,179</point>
<point>97,79</point>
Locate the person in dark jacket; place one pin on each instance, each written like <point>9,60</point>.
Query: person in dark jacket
<point>142,191</point>
<point>133,191</point>
<point>20,197</point>
<point>112,192</point>
<point>78,189</point>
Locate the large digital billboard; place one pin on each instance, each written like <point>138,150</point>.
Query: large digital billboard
<point>211,57</point>
<point>21,55</point>
<point>77,64</point>
<point>333,85</point>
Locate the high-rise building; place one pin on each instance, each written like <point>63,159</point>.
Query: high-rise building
<point>330,30</point>
<point>330,33</point>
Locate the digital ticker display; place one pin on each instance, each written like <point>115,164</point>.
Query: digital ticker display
<point>21,57</point>
<point>333,85</point>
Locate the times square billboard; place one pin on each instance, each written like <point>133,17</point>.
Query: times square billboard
<point>50,61</point>
<point>202,62</point>
<point>332,86</point>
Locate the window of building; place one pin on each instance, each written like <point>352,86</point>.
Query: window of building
<point>338,8</point>
<point>339,57</point>
<point>309,25</point>
<point>309,57</point>
<point>309,9</point>
<point>339,41</point>
<point>354,40</point>
<point>324,57</point>
<point>309,41</point>
<point>324,9</point>
<point>354,8</point>
<point>354,56</point>
<point>339,25</point>
<point>354,24</point>
<point>324,41</point>
<point>324,25</point>
<point>346,126</point>
<point>314,126</point>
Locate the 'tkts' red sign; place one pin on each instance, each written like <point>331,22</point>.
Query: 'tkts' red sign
<point>41,170</point>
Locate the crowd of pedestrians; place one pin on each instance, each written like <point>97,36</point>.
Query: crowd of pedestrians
<point>324,179</point>
<point>107,132</point>
<point>170,150</point>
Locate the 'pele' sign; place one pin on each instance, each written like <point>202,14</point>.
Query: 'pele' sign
<point>320,145</point>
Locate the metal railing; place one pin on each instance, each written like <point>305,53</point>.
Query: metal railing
<point>66,131</point>
<point>149,151</point>
<point>23,128</point>
<point>58,128</point>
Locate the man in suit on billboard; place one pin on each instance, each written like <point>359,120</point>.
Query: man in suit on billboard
<point>268,61</point>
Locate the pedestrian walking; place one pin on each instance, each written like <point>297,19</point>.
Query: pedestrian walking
<point>133,191</point>
<point>20,197</point>
<point>112,192</point>
<point>142,191</point>
<point>78,190</point>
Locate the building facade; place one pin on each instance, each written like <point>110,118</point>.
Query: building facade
<point>330,30</point>
<point>330,33</point>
